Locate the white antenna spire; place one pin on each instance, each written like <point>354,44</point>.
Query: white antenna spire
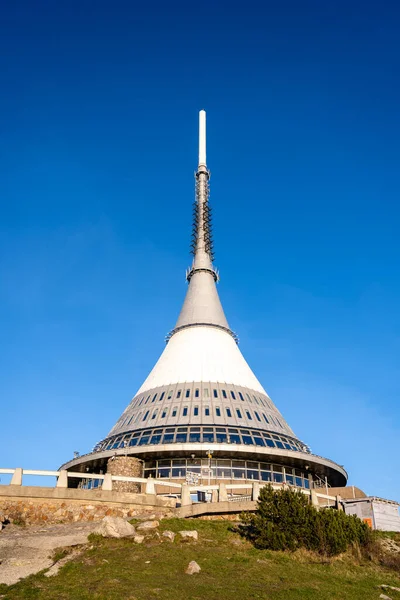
<point>202,138</point>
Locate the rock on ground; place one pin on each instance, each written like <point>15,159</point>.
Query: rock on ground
<point>192,568</point>
<point>384,597</point>
<point>170,535</point>
<point>147,526</point>
<point>24,551</point>
<point>189,535</point>
<point>115,527</point>
<point>138,539</point>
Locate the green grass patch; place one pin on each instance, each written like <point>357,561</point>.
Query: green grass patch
<point>231,569</point>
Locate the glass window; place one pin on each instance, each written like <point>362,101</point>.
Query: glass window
<point>306,483</point>
<point>181,437</point>
<point>185,411</point>
<point>252,474</point>
<point>259,441</point>
<point>224,394</point>
<point>194,435</point>
<point>257,415</point>
<point>207,411</point>
<point>215,392</point>
<point>196,411</point>
<point>196,393</point>
<point>265,476</point>
<point>146,414</point>
<point>178,395</point>
<point>155,439</point>
<point>249,415</point>
<point>248,397</point>
<point>270,443</point>
<point>239,414</point>
<point>280,445</point>
<point>208,435</point>
<point>257,402</point>
<point>140,403</point>
<point>133,441</point>
<point>164,414</point>
<point>174,411</point>
<point>228,412</point>
<point>168,438</point>
<point>162,396</point>
<point>147,399</point>
<point>179,472</point>
<point>153,416</point>
<point>234,438</point>
<point>164,472</point>
<point>169,395</point>
<point>278,477</point>
<point>238,473</point>
<point>265,418</point>
<point>241,396</point>
<point>221,437</point>
<point>299,481</point>
<point>233,395</point>
<point>187,395</point>
<point>144,440</point>
<point>247,439</point>
<point>218,411</point>
<point>154,397</point>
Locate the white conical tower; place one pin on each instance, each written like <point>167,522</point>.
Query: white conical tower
<point>201,397</point>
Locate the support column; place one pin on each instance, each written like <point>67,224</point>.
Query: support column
<point>107,483</point>
<point>150,487</point>
<point>185,495</point>
<point>223,494</point>
<point>255,491</point>
<point>214,496</point>
<point>339,504</point>
<point>17,477</point>
<point>62,480</point>
<point>314,498</point>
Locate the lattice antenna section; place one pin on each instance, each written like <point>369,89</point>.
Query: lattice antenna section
<point>202,219</point>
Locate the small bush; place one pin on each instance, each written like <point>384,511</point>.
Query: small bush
<point>285,520</point>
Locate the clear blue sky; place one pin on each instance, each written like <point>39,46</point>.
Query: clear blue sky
<point>98,135</point>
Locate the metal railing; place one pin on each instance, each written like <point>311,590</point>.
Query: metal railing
<point>221,492</point>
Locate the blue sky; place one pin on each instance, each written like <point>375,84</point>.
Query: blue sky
<point>98,136</point>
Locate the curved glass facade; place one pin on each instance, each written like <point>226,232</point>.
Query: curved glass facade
<point>203,470</point>
<point>202,434</point>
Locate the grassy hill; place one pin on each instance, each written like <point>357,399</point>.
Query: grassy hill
<point>231,568</point>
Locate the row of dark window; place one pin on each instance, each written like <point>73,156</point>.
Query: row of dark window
<point>186,393</point>
<point>184,412</point>
<point>201,434</point>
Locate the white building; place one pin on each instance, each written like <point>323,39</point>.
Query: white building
<point>201,411</point>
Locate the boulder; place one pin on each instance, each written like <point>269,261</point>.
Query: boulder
<point>147,526</point>
<point>189,535</point>
<point>170,535</point>
<point>192,568</point>
<point>115,527</point>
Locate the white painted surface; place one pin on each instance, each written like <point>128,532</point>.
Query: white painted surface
<point>202,354</point>
<point>386,516</point>
<point>202,137</point>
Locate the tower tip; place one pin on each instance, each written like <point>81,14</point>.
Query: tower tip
<point>202,138</point>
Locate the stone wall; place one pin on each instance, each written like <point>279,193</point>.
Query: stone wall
<point>31,512</point>
<point>35,505</point>
<point>126,466</point>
